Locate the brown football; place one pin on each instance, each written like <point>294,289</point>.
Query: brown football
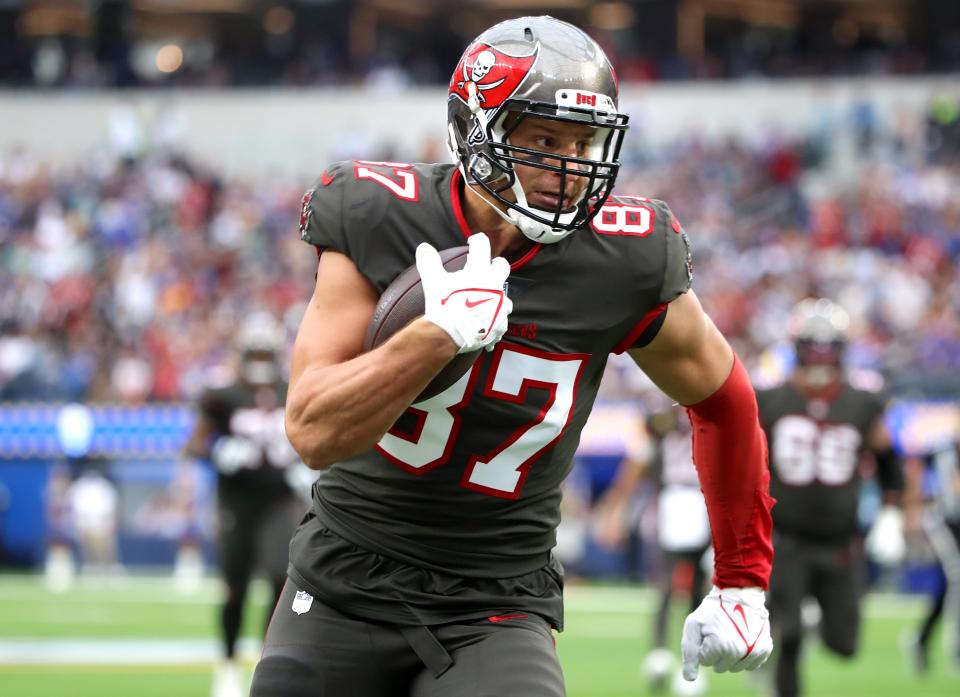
<point>401,303</point>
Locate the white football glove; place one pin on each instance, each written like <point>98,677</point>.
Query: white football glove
<point>885,542</point>
<point>230,454</point>
<point>729,631</point>
<point>470,305</point>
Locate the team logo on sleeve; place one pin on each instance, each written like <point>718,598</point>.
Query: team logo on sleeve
<point>305,212</point>
<point>491,73</point>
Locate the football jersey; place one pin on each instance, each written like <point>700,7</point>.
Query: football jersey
<point>468,482</point>
<point>254,414</point>
<point>815,450</point>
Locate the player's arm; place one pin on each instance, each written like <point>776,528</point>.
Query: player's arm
<point>341,401</point>
<point>889,465</point>
<point>691,361</point>
<point>885,542</point>
<point>198,444</point>
<point>611,511</point>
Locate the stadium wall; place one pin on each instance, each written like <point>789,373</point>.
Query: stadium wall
<point>291,133</point>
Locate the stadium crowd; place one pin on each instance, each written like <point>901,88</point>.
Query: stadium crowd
<point>123,279</point>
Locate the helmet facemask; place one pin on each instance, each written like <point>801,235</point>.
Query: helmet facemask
<point>514,72</point>
<point>818,328</point>
<point>491,167</point>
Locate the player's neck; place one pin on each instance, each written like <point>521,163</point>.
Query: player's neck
<point>506,240</point>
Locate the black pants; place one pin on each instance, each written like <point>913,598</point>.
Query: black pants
<point>944,538</point>
<point>312,650</point>
<point>253,536</point>
<point>832,574</point>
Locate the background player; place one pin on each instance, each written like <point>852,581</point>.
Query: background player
<point>941,523</point>
<point>426,556</point>
<point>683,527</point>
<point>818,426</point>
<point>240,430</point>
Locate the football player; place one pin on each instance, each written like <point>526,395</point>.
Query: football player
<point>941,523</point>
<point>240,430</point>
<point>424,567</point>
<point>818,426</point>
<point>683,527</point>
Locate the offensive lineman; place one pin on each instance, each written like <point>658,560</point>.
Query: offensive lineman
<point>818,426</point>
<point>424,566</point>
<point>239,429</point>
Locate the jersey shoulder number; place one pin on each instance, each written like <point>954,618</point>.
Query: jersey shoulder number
<point>665,248</point>
<point>351,197</point>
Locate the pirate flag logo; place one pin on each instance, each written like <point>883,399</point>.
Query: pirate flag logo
<point>490,73</point>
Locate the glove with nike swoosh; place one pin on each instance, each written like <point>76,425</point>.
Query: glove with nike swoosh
<point>729,631</point>
<point>470,305</point>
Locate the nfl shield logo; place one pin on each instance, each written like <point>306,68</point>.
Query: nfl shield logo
<point>302,602</point>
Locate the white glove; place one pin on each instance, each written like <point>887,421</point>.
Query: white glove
<point>885,543</point>
<point>231,454</point>
<point>470,305</point>
<point>729,631</point>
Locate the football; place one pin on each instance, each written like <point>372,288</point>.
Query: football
<point>401,303</point>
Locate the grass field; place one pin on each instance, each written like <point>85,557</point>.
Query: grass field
<point>135,637</point>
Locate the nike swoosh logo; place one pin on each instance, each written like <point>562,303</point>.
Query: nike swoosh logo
<point>503,618</point>
<point>739,608</point>
<point>327,179</point>
<point>750,645</point>
<point>474,303</point>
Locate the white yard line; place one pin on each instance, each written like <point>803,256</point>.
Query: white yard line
<point>113,652</point>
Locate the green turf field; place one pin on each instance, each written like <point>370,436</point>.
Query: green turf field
<point>135,637</point>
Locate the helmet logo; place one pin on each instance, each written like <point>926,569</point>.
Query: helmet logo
<point>490,74</point>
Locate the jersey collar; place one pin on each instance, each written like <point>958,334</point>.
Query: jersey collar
<point>465,228</point>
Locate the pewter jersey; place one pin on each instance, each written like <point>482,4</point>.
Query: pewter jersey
<point>815,451</point>
<point>255,415</point>
<point>468,482</point>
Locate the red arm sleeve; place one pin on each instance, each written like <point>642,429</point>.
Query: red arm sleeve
<point>730,452</point>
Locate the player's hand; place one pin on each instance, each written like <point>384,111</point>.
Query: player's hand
<point>885,542</point>
<point>230,454</point>
<point>470,305</point>
<point>729,631</point>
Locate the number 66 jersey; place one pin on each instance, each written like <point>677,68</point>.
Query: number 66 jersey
<point>815,451</point>
<point>466,484</point>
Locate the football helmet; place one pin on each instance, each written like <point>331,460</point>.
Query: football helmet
<point>260,342</point>
<point>818,328</point>
<point>535,67</point>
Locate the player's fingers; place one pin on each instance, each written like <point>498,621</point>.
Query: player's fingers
<point>429,265</point>
<point>736,665</point>
<point>690,649</point>
<point>754,660</point>
<point>723,661</point>
<point>500,268</point>
<point>478,258</point>
<point>711,650</point>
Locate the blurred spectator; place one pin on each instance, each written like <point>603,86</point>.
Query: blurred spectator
<point>124,277</point>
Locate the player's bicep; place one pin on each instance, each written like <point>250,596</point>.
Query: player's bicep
<point>688,358</point>
<point>336,319</point>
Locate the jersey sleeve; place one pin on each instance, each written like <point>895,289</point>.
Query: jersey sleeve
<point>322,210</point>
<point>661,263</point>
<point>678,266</point>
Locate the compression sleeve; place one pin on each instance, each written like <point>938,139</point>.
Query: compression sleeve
<point>730,452</point>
